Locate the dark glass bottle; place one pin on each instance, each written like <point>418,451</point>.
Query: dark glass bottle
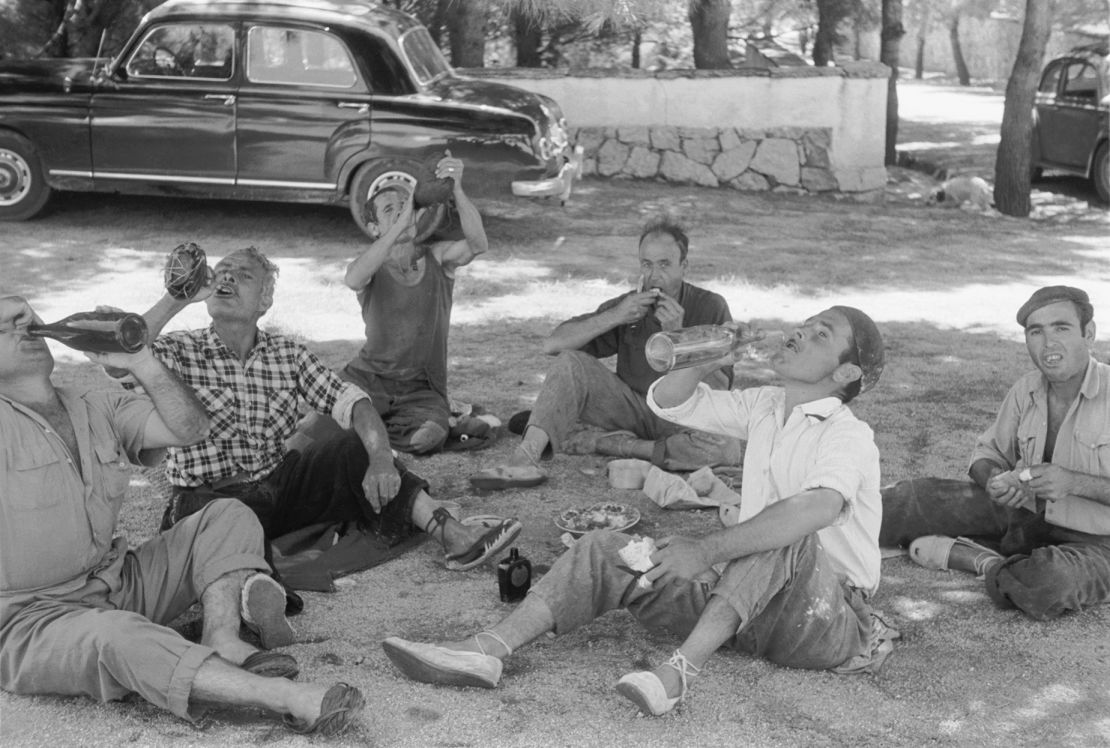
<point>97,332</point>
<point>514,577</point>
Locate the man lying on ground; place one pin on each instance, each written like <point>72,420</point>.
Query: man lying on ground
<point>790,582</point>
<point>253,385</point>
<point>405,292</point>
<point>579,387</point>
<point>81,613</point>
<point>1041,473</point>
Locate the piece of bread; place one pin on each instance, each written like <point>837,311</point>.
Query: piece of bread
<point>637,554</point>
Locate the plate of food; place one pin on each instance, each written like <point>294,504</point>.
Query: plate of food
<point>604,516</point>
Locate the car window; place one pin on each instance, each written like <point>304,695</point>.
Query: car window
<point>382,66</point>
<point>1051,79</point>
<point>1081,83</point>
<point>185,50</point>
<point>298,56</point>
<point>427,62</point>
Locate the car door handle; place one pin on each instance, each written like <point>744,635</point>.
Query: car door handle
<point>362,108</point>
<point>227,99</point>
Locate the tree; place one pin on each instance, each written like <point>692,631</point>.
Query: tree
<point>1012,164</point>
<point>829,15</point>
<point>466,26</point>
<point>709,22</point>
<point>890,47</point>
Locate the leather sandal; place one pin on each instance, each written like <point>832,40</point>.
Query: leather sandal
<point>271,665</point>
<point>646,690</point>
<point>262,608</point>
<point>431,663</point>
<point>338,709</point>
<point>492,542</point>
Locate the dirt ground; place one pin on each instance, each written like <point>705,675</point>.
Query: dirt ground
<point>943,285</point>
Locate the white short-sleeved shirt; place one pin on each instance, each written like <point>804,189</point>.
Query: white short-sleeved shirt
<point>820,445</point>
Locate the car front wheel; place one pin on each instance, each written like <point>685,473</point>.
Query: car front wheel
<point>372,176</point>
<point>23,189</point>
<point>1100,174</point>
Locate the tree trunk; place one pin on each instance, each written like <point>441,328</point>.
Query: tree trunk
<point>637,40</point>
<point>889,49</point>
<point>528,37</point>
<point>825,38</point>
<point>1012,164</point>
<point>709,22</point>
<point>919,61</point>
<point>84,27</point>
<point>466,23</point>
<point>958,52</point>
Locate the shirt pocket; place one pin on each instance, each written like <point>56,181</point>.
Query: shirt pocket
<point>36,481</point>
<point>1027,445</point>
<point>1093,452</point>
<point>281,414</point>
<point>220,404</point>
<point>115,470</point>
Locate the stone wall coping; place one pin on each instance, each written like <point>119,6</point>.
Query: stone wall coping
<point>861,69</point>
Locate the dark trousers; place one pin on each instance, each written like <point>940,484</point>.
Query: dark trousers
<point>321,483</point>
<point>1048,570</point>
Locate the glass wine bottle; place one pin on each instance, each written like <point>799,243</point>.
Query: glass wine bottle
<point>97,332</point>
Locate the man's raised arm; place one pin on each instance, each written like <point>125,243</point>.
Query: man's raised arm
<point>575,333</point>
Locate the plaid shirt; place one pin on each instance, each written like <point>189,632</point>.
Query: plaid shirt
<point>253,408</point>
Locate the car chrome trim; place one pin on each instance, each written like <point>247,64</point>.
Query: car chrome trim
<point>161,178</point>
<point>561,184</point>
<point>69,173</point>
<point>281,183</point>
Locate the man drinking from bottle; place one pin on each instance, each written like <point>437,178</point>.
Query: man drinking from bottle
<point>579,387</point>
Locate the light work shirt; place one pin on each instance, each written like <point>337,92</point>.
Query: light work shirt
<point>819,444</point>
<point>57,524</point>
<point>1017,439</point>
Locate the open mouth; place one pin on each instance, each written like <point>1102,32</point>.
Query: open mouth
<point>224,290</point>
<point>1051,359</point>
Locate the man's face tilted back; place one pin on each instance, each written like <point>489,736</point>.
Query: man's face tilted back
<point>20,354</point>
<point>661,263</point>
<point>814,350</point>
<point>241,291</point>
<point>1057,344</point>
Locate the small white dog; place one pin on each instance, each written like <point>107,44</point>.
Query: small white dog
<point>958,192</point>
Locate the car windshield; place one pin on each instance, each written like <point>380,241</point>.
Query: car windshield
<point>424,57</point>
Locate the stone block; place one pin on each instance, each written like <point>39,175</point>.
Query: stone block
<point>633,135</point>
<point>777,158</point>
<point>750,181</point>
<point>677,168</point>
<point>697,132</point>
<point>590,138</point>
<point>818,180</point>
<point>665,138</point>
<point>611,157</point>
<point>589,167</point>
<point>815,144</point>
<point>732,163</point>
<point>702,150</point>
<point>729,139</point>
<point>642,163</point>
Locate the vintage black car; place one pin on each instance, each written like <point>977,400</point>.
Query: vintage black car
<point>316,101</point>
<point>1072,117</point>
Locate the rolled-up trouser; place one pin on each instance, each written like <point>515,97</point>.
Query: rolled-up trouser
<point>107,643</point>
<point>793,610</point>
<point>1048,570</point>
<point>579,387</point>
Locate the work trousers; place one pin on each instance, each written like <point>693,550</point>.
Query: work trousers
<point>580,388</point>
<point>109,639</point>
<point>793,609</point>
<point>1048,570</point>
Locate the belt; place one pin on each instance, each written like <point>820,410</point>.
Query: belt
<point>232,480</point>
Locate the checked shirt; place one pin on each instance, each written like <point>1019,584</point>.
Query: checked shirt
<point>253,407</point>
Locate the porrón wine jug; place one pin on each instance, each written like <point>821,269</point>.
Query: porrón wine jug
<point>97,332</point>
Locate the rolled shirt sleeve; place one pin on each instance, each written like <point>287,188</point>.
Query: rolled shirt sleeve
<point>325,392</point>
<point>725,412</point>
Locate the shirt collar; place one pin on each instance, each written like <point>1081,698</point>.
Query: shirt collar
<point>1088,389</point>
<point>213,345</point>
<point>820,409</point>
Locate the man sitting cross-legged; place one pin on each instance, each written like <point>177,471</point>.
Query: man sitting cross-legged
<point>579,387</point>
<point>1041,475</point>
<point>81,613</point>
<point>790,582</point>
<point>253,384</point>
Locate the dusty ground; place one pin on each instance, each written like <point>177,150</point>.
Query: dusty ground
<point>943,285</point>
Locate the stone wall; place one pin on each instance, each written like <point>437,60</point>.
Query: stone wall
<point>799,129</point>
<point>781,159</point>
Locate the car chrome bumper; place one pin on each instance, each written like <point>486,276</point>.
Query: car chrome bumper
<point>560,184</point>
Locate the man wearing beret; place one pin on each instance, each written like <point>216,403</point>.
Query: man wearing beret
<point>788,579</point>
<point>1041,473</point>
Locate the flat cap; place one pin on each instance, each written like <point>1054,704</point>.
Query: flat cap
<point>1050,295</point>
